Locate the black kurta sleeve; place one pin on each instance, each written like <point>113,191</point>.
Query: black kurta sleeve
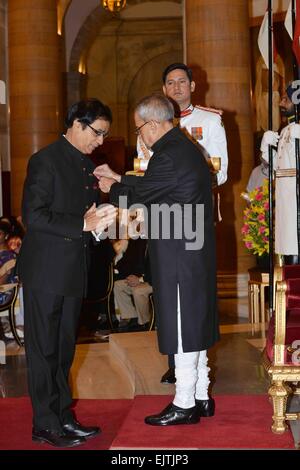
<point>159,180</point>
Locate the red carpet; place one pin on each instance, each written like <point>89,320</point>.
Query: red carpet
<point>241,422</point>
<point>16,416</point>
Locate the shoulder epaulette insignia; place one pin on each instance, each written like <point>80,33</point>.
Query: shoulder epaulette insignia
<point>212,110</point>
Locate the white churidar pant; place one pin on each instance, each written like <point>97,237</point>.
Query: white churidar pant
<point>191,371</point>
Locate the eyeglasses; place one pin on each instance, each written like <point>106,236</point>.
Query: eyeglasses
<point>137,130</point>
<point>98,133</point>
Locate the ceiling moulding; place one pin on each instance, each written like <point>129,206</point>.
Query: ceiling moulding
<point>79,11</point>
<point>257,8</point>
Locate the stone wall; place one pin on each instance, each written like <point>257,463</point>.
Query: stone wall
<point>125,63</point>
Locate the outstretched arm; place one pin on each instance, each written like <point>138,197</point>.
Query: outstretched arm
<point>159,180</point>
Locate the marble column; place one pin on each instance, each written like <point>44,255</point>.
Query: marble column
<point>4,142</point>
<point>218,49</point>
<point>35,84</point>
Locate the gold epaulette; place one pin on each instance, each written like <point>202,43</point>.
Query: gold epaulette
<point>212,110</point>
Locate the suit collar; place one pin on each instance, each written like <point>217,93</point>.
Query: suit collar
<point>187,111</point>
<point>71,149</point>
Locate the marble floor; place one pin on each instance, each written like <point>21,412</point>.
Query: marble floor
<point>121,365</point>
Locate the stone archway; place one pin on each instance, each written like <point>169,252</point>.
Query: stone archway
<point>93,24</point>
<point>62,7</point>
<point>129,46</point>
<point>148,80</point>
<point>110,51</point>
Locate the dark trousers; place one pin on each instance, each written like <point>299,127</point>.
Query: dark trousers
<point>50,326</point>
<point>171,361</point>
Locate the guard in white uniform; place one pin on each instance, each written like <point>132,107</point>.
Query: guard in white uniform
<point>285,171</point>
<point>204,126</point>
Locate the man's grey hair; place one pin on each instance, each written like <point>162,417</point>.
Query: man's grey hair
<point>155,108</point>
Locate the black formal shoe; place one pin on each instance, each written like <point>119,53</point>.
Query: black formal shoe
<point>173,414</point>
<point>56,438</point>
<point>132,326</point>
<point>144,327</point>
<point>127,325</point>
<point>76,429</point>
<point>169,376</point>
<point>206,408</point>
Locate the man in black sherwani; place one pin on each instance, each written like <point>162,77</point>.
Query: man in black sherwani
<point>183,271</point>
<point>59,212</point>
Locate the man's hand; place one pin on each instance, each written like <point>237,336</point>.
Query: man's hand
<point>105,184</point>
<point>132,280</point>
<point>105,170</point>
<point>90,219</point>
<point>295,131</point>
<point>103,217</point>
<point>107,215</point>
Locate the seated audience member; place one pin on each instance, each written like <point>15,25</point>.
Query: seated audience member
<point>131,287</point>
<point>7,274</point>
<point>14,244</point>
<point>7,262</point>
<point>94,312</point>
<point>16,232</point>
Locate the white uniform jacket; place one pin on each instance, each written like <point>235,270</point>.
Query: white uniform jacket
<point>285,196</point>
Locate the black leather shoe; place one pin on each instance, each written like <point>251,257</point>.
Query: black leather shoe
<point>206,408</point>
<point>76,429</point>
<point>56,438</point>
<point>173,414</point>
<point>133,326</point>
<point>127,325</point>
<point>169,376</point>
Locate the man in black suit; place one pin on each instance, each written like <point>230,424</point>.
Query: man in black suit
<point>183,266</point>
<point>131,287</point>
<point>59,212</point>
